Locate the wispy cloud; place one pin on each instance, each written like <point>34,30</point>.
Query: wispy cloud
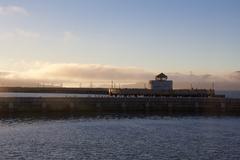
<point>18,33</point>
<point>27,34</point>
<point>69,36</point>
<point>13,10</point>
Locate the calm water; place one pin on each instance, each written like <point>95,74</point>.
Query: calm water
<point>230,94</point>
<point>111,137</point>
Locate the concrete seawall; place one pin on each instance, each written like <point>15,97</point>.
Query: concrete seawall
<point>120,105</point>
<point>54,90</point>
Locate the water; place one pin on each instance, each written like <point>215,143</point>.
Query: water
<point>230,94</point>
<point>114,137</point>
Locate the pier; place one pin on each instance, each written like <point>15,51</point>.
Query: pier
<point>198,105</point>
<point>159,98</point>
<point>55,90</point>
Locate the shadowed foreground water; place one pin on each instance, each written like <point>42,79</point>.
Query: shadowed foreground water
<point>110,137</point>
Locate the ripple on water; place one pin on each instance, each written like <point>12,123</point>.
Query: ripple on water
<point>121,138</point>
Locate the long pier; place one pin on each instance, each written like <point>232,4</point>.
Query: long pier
<point>199,105</point>
<point>55,90</point>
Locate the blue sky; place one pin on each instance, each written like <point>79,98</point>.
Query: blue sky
<point>201,36</point>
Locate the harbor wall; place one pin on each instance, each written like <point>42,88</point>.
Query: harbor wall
<point>55,90</point>
<point>199,105</point>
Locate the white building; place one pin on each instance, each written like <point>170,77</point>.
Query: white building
<point>161,83</point>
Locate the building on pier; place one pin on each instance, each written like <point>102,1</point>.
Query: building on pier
<point>161,83</point>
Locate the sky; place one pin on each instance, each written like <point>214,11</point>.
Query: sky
<point>77,40</point>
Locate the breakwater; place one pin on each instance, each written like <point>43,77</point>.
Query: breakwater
<point>54,90</point>
<point>201,105</point>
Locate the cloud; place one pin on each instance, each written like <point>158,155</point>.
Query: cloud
<point>195,77</point>
<point>229,81</point>
<point>72,73</point>
<point>27,34</point>
<point>69,36</point>
<point>37,73</point>
<point>13,10</point>
<point>93,72</point>
<point>18,34</point>
<point>3,74</point>
<point>235,75</point>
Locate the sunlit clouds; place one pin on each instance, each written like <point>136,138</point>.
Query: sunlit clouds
<point>74,72</point>
<point>39,73</point>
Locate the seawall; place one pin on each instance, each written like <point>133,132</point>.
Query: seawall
<point>55,90</point>
<point>120,105</point>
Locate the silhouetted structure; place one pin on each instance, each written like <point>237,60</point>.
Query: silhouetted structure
<point>161,83</point>
<point>161,77</point>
